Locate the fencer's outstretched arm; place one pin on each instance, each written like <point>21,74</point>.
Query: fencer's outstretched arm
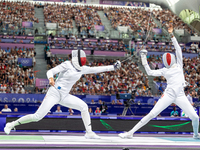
<point>178,50</point>
<point>90,70</point>
<point>57,69</point>
<point>150,72</point>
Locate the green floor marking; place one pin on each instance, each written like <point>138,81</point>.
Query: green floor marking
<point>21,138</point>
<point>106,125</point>
<point>171,127</point>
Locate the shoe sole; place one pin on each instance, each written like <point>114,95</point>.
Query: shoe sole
<point>125,137</point>
<point>91,138</point>
<point>121,136</point>
<point>5,130</point>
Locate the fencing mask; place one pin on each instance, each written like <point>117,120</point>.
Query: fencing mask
<point>78,59</point>
<point>168,59</point>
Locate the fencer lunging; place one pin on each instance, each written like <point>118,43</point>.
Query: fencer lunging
<point>58,93</point>
<point>174,92</point>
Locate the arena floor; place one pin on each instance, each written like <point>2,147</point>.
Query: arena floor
<point>36,140</point>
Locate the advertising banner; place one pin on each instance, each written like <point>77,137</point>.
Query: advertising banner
<point>34,98</point>
<point>123,29</point>
<point>107,2</point>
<point>51,25</point>
<point>25,61</point>
<point>27,24</point>
<point>123,3</point>
<point>21,98</point>
<point>99,28</point>
<point>41,83</point>
<point>157,30</point>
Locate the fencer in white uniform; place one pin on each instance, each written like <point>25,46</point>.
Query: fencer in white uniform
<point>174,92</point>
<point>58,93</point>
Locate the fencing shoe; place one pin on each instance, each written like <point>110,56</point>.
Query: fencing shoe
<point>9,126</point>
<point>125,135</point>
<point>91,135</point>
<point>196,136</point>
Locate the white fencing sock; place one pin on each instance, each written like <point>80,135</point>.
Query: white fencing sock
<point>86,120</point>
<point>195,125</point>
<point>23,120</point>
<point>141,123</point>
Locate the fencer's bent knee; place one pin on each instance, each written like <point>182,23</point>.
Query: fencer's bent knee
<point>84,107</point>
<point>152,114</point>
<point>195,117</point>
<point>148,117</point>
<point>36,117</point>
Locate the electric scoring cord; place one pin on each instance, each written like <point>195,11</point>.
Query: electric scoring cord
<point>126,59</point>
<point>148,30</point>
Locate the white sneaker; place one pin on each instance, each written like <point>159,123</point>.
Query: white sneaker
<point>196,137</point>
<point>9,126</point>
<point>125,135</point>
<point>91,135</point>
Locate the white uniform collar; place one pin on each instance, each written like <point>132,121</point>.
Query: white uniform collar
<point>75,67</point>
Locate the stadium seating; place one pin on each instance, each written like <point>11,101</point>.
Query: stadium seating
<point>11,22</point>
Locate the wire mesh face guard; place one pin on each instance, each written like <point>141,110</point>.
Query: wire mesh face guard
<point>78,59</point>
<point>168,59</point>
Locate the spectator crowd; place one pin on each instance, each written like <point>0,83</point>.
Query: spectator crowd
<point>12,14</point>
<point>74,43</point>
<point>85,17</point>
<point>165,16</point>
<point>13,76</point>
<point>136,19</point>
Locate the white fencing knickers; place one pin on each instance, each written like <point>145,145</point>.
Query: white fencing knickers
<point>167,99</point>
<point>53,97</point>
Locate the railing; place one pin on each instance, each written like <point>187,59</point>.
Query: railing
<point>107,34</point>
<point>17,30</point>
<point>62,32</point>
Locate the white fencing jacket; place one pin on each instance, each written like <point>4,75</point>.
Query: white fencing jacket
<point>68,75</point>
<point>174,75</point>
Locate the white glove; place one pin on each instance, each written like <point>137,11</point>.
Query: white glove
<point>143,54</point>
<point>143,51</point>
<point>117,65</point>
